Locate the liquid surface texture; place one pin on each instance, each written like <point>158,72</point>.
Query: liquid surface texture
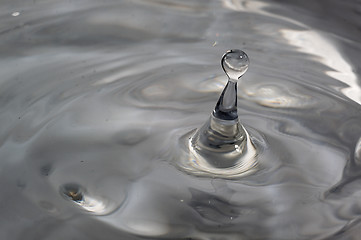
<point>97,98</point>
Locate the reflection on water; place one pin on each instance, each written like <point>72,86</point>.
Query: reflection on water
<point>95,97</point>
<point>314,44</point>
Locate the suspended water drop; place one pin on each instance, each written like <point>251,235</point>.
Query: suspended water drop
<point>222,147</point>
<point>235,64</point>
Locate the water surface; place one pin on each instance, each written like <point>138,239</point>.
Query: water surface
<point>95,97</point>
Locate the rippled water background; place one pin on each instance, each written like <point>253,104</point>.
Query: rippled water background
<point>95,96</point>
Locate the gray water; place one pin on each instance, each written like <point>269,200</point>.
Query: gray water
<point>95,97</point>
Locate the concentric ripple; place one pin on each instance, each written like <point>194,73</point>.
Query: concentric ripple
<point>98,101</point>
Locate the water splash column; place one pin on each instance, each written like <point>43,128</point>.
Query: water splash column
<point>222,146</point>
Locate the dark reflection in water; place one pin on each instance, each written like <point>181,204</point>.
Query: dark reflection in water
<point>95,97</point>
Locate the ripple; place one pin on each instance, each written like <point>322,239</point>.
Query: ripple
<point>80,197</point>
<point>192,162</point>
<point>98,100</point>
<point>275,95</point>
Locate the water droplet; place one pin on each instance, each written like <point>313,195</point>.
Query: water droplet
<point>235,64</point>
